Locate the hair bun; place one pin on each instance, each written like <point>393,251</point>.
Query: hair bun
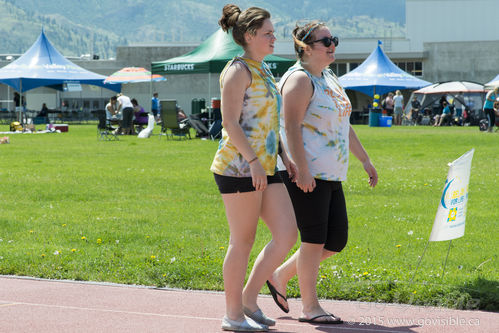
<point>230,14</point>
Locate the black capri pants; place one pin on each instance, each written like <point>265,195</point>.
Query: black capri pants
<point>321,215</point>
<point>491,117</point>
<point>127,117</point>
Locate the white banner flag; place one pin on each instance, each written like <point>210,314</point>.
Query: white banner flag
<point>451,214</point>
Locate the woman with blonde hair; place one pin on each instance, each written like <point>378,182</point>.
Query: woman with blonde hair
<point>398,104</point>
<point>244,168</point>
<point>488,107</point>
<point>316,132</point>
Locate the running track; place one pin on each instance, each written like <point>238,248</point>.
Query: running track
<point>36,305</point>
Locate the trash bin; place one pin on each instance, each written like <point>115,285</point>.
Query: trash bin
<point>202,104</point>
<point>195,109</point>
<point>374,116</point>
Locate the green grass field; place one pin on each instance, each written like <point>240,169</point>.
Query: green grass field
<point>147,211</point>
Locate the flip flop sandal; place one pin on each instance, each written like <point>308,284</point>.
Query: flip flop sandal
<point>274,294</point>
<point>321,322</point>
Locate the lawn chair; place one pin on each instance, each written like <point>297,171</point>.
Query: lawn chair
<point>170,125</point>
<point>216,126</point>
<point>40,120</point>
<point>104,130</point>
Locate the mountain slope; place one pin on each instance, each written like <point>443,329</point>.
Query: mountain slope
<point>95,26</point>
<point>20,28</point>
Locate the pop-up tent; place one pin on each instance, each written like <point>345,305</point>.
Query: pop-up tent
<point>42,65</point>
<point>133,75</point>
<point>492,84</point>
<point>379,75</point>
<point>470,95</point>
<point>212,55</point>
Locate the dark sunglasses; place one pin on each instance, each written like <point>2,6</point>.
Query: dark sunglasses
<point>327,41</point>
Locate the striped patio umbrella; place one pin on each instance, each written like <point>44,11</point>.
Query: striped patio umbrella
<point>133,75</point>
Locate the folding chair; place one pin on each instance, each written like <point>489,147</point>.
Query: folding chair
<point>170,125</point>
<point>216,126</point>
<point>104,130</point>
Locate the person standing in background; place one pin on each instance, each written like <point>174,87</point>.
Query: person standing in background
<point>488,107</point>
<point>155,105</point>
<point>18,107</point>
<point>125,106</point>
<point>388,104</point>
<point>398,103</point>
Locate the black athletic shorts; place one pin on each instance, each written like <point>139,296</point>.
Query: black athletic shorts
<point>227,184</point>
<point>321,215</point>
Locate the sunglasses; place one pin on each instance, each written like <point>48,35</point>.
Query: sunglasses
<point>327,41</point>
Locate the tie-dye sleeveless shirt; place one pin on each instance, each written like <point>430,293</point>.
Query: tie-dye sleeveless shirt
<point>259,120</point>
<point>326,126</point>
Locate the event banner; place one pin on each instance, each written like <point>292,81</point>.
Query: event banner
<point>451,214</point>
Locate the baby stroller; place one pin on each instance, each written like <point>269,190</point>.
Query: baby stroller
<point>415,117</point>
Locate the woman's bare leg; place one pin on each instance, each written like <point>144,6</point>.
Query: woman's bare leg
<point>277,212</point>
<point>288,270</point>
<point>242,210</point>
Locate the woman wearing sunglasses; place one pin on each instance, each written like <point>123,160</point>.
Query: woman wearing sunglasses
<point>317,136</point>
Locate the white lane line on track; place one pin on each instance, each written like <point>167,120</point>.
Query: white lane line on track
<point>335,327</point>
<point>8,304</point>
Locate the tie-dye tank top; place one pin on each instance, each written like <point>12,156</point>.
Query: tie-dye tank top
<point>259,120</point>
<point>326,126</point>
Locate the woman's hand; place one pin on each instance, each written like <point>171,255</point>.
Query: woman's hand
<point>258,175</point>
<point>371,171</point>
<point>305,181</point>
<point>290,166</point>
<point>291,169</point>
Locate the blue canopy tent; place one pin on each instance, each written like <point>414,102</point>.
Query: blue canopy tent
<point>379,75</point>
<point>42,65</point>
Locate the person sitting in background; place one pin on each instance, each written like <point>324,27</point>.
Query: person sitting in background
<point>42,117</point>
<point>180,114</point>
<point>141,118</point>
<point>111,111</point>
<point>44,112</point>
<point>446,114</point>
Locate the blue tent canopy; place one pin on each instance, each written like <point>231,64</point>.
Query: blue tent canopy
<point>379,75</point>
<point>42,65</point>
